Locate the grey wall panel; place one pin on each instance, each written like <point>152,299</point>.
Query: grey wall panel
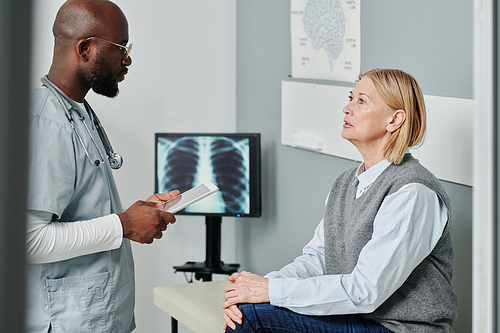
<point>15,38</point>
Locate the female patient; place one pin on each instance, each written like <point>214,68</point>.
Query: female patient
<point>381,258</point>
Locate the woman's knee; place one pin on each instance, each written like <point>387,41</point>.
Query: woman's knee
<point>252,315</point>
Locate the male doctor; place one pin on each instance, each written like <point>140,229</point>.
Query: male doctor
<point>81,270</point>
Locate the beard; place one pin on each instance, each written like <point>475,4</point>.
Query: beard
<point>102,79</point>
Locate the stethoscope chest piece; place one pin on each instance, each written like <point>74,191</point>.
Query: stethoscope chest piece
<point>115,161</point>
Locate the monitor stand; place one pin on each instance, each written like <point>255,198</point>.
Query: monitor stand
<point>212,264</point>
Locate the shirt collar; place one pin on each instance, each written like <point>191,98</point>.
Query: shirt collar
<point>365,178</point>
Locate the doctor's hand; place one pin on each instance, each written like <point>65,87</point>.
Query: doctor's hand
<point>160,198</point>
<point>143,222</point>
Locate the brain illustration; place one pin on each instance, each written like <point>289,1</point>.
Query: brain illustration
<point>324,24</point>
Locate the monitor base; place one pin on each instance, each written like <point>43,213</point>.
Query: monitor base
<point>204,271</point>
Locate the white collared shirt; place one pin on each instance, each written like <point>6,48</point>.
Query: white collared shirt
<point>366,179</point>
<point>406,229</point>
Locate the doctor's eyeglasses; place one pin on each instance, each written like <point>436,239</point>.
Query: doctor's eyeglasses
<point>126,49</point>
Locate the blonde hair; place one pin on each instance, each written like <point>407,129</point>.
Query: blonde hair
<point>400,91</point>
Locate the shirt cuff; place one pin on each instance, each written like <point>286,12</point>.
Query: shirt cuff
<point>117,224</point>
<point>276,291</point>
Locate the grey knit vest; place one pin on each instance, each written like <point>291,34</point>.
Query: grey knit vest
<point>426,301</point>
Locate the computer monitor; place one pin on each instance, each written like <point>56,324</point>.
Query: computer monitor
<point>230,161</point>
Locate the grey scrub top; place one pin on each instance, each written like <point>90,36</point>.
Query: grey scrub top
<point>90,293</point>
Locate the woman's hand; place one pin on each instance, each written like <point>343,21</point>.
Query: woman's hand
<point>232,315</point>
<point>244,288</point>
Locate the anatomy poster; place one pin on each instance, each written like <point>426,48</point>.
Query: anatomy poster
<point>326,39</point>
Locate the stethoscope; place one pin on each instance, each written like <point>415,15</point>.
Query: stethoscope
<point>115,160</point>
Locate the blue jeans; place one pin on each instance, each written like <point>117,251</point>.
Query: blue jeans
<point>269,318</point>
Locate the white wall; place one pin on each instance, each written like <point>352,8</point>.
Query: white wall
<point>182,79</point>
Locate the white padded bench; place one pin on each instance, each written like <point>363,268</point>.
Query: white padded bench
<point>196,305</point>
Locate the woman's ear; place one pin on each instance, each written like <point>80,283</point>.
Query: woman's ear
<point>397,119</point>
<point>83,49</point>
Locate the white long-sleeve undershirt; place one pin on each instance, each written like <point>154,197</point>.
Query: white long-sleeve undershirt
<point>49,241</point>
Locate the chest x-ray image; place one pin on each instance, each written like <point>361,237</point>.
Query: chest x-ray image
<point>185,161</point>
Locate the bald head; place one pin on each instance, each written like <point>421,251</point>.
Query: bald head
<point>80,63</point>
<point>77,19</point>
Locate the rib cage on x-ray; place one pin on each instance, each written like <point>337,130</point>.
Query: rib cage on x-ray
<point>189,161</point>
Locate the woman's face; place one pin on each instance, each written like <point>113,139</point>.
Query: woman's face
<point>366,117</point>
